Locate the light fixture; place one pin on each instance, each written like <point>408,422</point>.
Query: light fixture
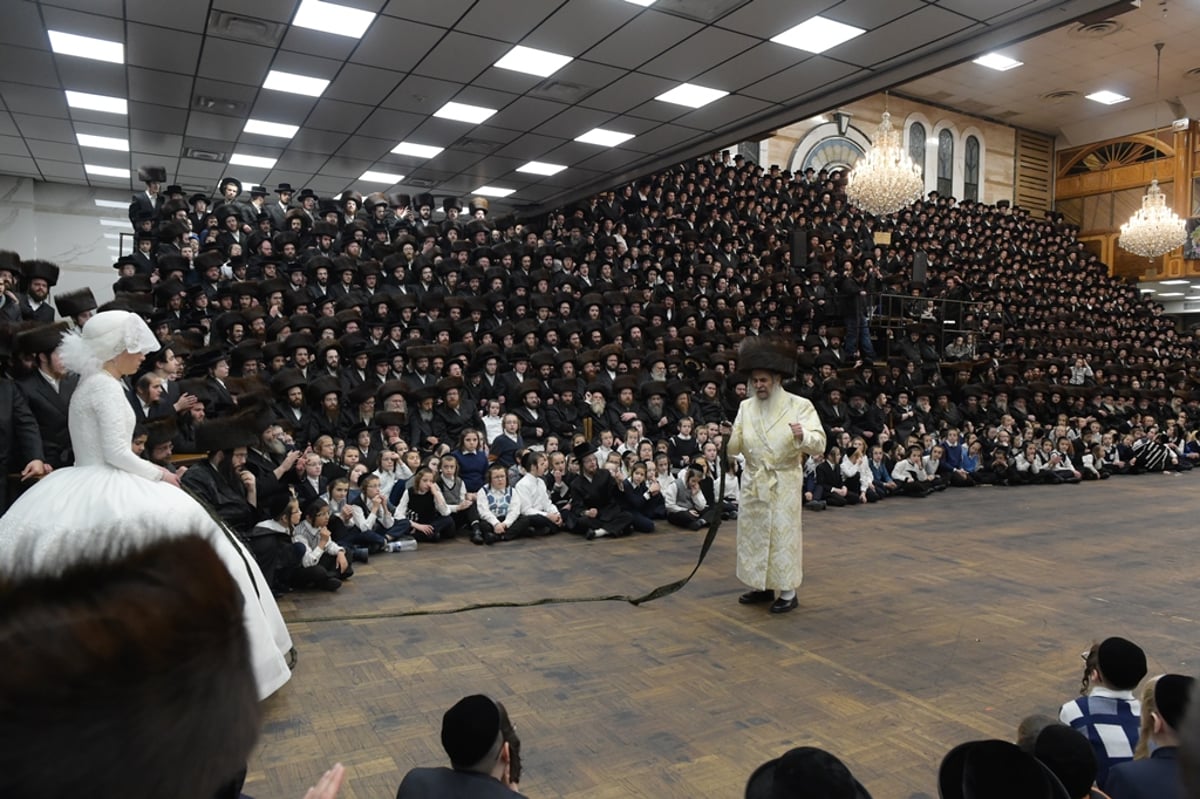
<point>123,205</point>
<point>97,102</point>
<point>1000,63</point>
<point>604,138</point>
<point>295,84</point>
<point>461,112</point>
<point>493,191</point>
<point>386,178</point>
<point>642,3</point>
<point>533,62</point>
<point>541,168</point>
<point>1106,97</point>
<point>87,47</point>
<point>106,171</point>
<point>691,95</point>
<point>1171,294</point>
<point>817,34</point>
<point>333,18</point>
<point>416,150</point>
<point>108,221</point>
<point>1155,229</point>
<point>275,129</point>
<point>102,142</point>
<point>1179,282</point>
<point>241,159</point>
<point>885,179</point>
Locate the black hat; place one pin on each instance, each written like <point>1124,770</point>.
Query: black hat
<point>983,769</point>
<point>197,197</point>
<point>1067,752</point>
<point>1171,692</point>
<point>74,303</point>
<point>225,181</point>
<point>40,338</point>
<point>10,261</point>
<point>804,772</point>
<point>767,354</point>
<point>582,450</point>
<point>258,191</point>
<point>282,187</point>
<point>156,174</point>
<point>1122,662</point>
<point>160,431</point>
<point>653,387</point>
<point>470,730</point>
<point>992,768</point>
<point>40,269</point>
<point>228,432</point>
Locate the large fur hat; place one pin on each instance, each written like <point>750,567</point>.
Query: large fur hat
<point>768,354</point>
<point>137,665</point>
<point>43,269</point>
<point>42,338</point>
<point>158,174</point>
<point>228,432</point>
<point>74,303</point>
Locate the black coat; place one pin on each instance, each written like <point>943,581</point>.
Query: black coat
<point>20,441</point>
<point>50,409</point>
<point>227,501</point>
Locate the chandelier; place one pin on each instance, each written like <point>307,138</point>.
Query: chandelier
<point>885,179</point>
<point>1155,229</point>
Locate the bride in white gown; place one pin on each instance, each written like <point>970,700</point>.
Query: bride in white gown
<point>111,500</point>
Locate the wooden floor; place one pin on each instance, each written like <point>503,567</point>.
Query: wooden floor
<point>922,624</point>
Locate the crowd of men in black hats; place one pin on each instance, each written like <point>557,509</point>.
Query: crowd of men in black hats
<point>621,313</point>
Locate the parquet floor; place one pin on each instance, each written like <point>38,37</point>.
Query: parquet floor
<point>922,623</point>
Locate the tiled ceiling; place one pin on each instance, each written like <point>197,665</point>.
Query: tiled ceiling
<point>1048,92</point>
<point>194,74</point>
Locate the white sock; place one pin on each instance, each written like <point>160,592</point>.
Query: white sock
<point>787,596</point>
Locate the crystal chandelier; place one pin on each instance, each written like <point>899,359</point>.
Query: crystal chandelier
<point>1155,229</point>
<point>885,179</point>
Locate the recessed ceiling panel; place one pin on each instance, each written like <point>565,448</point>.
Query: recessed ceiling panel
<point>161,48</point>
<point>698,54</point>
<point>378,48</point>
<point>161,88</point>
<point>579,25</point>
<point>643,38</point>
<point>483,20</point>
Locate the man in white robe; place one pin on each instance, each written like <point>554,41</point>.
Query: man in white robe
<point>772,431</point>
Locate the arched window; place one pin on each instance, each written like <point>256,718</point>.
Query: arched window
<point>971,170</point>
<point>945,161</point>
<point>916,145</point>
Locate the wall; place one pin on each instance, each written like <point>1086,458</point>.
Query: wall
<point>998,142</point>
<point>76,227</point>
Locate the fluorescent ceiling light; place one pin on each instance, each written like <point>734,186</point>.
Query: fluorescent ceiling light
<point>540,168</point>
<point>642,3</point>
<point>109,221</point>
<point>462,112</point>
<point>604,138</point>
<point>333,18</point>
<point>111,204</point>
<point>87,47</point>
<point>295,84</point>
<point>691,95</point>
<point>97,102</point>
<point>241,159</point>
<point>102,142</point>
<point>276,129</point>
<point>387,178</point>
<point>1171,294</point>
<point>533,62</point>
<point>106,171</point>
<point>493,191</point>
<point>116,236</point>
<point>1148,291</point>
<point>817,34</point>
<point>1000,63</point>
<point>417,150</point>
<point>1177,282</point>
<point>1107,97</point>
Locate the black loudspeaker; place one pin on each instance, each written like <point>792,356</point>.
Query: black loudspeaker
<point>799,249</point>
<point>920,266</point>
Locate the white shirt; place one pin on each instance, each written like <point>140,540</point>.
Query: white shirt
<point>531,498</point>
<point>52,381</point>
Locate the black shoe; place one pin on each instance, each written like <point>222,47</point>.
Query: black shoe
<point>785,605</point>
<point>331,584</point>
<point>476,536</point>
<point>360,555</point>
<point>756,597</point>
<point>290,658</point>
<point>491,538</point>
<point>815,504</point>
<point>346,575</point>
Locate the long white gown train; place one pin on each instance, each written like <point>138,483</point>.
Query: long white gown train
<point>110,501</point>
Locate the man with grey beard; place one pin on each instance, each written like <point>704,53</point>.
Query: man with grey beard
<point>272,457</point>
<point>654,410</point>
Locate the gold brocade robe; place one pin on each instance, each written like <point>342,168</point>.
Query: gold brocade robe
<point>769,536</point>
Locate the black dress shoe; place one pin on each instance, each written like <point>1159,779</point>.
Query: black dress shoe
<point>477,536</point>
<point>756,597</point>
<point>785,605</point>
<point>360,555</point>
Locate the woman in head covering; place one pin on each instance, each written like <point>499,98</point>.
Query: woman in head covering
<point>112,501</point>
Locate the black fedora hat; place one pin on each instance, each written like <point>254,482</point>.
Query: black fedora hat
<point>994,769</point>
<point>804,773</point>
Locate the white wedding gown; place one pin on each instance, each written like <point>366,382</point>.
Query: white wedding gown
<point>110,501</point>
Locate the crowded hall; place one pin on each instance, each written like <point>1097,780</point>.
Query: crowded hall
<point>278,356</point>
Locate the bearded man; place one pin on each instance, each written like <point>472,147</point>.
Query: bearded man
<point>772,431</point>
